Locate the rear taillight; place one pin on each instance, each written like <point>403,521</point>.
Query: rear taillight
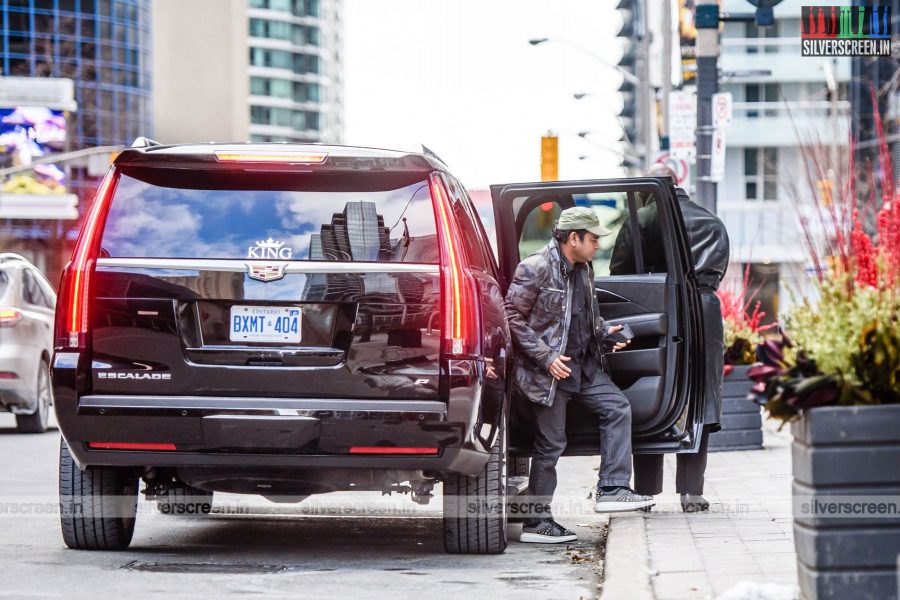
<point>154,447</point>
<point>275,156</point>
<point>391,450</point>
<point>74,299</point>
<point>9,317</point>
<point>459,305</point>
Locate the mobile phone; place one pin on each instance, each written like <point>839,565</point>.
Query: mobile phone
<point>623,335</point>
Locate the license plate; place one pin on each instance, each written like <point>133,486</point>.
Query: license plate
<point>265,324</point>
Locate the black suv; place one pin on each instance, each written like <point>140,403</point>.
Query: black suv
<point>290,320</point>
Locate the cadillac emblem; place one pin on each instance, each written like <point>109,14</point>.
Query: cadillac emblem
<point>266,271</point>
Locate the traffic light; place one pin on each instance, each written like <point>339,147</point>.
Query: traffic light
<point>549,158</point>
<point>628,113</point>
<point>628,63</point>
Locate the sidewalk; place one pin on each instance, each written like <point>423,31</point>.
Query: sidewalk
<point>741,550</point>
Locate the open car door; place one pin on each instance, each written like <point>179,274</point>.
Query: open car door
<point>643,277</point>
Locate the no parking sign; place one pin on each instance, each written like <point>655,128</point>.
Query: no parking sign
<point>679,165</point>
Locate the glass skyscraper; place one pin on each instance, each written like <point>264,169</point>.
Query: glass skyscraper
<point>103,45</point>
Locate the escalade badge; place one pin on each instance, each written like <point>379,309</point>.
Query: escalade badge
<point>266,272</point>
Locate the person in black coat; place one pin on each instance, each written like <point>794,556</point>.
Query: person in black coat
<point>710,251</point>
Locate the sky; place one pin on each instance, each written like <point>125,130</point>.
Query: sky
<point>460,77</point>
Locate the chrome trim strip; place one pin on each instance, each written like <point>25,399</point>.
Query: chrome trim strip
<point>294,266</point>
<point>237,403</point>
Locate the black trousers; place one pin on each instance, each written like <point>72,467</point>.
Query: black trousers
<point>689,474</point>
<point>603,398</point>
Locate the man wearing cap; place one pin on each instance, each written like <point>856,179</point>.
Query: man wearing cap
<point>560,336</point>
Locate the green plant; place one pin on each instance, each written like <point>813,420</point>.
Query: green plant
<point>845,346</point>
<point>743,328</point>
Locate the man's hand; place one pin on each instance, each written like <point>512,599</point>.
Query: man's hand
<point>558,367</point>
<point>619,345</point>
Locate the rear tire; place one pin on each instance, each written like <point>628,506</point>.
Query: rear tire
<point>97,504</point>
<point>475,507</point>
<point>184,500</point>
<point>37,422</point>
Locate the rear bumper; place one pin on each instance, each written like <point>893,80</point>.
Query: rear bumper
<point>226,431</point>
<point>17,393</point>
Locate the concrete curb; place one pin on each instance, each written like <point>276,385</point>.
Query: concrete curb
<point>626,572</point>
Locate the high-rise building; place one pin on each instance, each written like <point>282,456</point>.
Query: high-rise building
<point>98,51</point>
<point>102,45</point>
<point>783,105</point>
<point>248,70</point>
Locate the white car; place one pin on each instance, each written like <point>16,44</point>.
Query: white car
<point>27,305</point>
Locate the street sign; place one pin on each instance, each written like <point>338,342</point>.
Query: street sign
<point>679,165</point>
<point>682,124</point>
<point>721,103</point>
<point>717,161</point>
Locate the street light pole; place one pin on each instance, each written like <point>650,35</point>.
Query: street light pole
<point>647,101</point>
<point>707,21</point>
<point>666,64</point>
<point>641,83</point>
<point>628,76</point>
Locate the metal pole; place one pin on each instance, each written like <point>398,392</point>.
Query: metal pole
<point>645,104</point>
<point>666,63</point>
<point>707,85</point>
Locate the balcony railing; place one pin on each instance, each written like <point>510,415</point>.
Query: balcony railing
<point>763,230</point>
<point>760,45</point>
<point>782,123</point>
<point>797,108</point>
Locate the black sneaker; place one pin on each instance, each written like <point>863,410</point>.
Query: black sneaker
<point>546,532</point>
<point>622,499</point>
<point>693,503</point>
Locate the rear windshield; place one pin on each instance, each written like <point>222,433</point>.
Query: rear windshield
<point>4,282</point>
<point>335,220</point>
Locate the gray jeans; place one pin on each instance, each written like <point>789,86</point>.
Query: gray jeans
<point>604,399</point>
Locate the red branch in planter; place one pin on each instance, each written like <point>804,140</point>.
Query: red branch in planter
<point>864,254</point>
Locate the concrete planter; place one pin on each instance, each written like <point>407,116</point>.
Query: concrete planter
<point>844,457</point>
<point>741,420</point>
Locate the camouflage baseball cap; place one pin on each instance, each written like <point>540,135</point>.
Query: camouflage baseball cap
<point>581,217</point>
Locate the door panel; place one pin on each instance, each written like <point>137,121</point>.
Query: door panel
<point>643,277</point>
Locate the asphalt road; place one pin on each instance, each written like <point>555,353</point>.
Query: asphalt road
<point>325,547</point>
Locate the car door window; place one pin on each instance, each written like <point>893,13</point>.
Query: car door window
<point>636,244</point>
<point>622,252</point>
<point>30,293</point>
<point>540,215</point>
<point>485,248</point>
<point>473,243</point>
<point>48,294</point>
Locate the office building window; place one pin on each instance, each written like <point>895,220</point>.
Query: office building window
<point>299,35</point>
<point>300,8</point>
<point>761,92</point>
<point>299,120</point>
<point>761,174</point>
<point>282,59</point>
<point>297,91</point>
<point>763,33</point>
